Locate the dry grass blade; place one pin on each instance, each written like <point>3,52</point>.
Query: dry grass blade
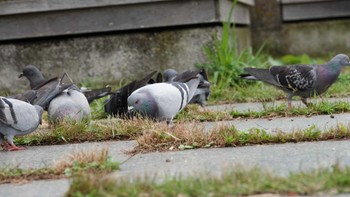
<point>92,155</point>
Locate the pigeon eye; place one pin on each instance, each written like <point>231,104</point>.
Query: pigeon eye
<point>137,101</point>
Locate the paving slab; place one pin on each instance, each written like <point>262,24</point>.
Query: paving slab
<point>47,188</point>
<point>259,106</point>
<point>45,156</point>
<point>281,159</point>
<point>285,124</point>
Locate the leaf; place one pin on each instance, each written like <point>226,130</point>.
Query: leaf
<point>184,147</point>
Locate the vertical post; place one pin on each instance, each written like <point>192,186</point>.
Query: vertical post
<point>266,25</point>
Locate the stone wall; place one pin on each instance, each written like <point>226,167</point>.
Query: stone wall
<point>108,58</point>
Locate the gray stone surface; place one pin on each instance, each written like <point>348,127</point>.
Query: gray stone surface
<point>280,159</point>
<point>287,124</point>
<point>47,188</point>
<point>257,106</point>
<point>45,156</point>
<point>108,58</point>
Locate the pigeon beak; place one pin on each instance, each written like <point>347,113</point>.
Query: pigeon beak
<point>130,108</point>
<point>21,75</point>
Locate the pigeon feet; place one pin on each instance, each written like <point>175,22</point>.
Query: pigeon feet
<point>13,148</point>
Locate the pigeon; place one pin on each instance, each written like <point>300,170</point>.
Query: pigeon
<point>71,104</point>
<point>162,101</point>
<point>63,102</point>
<point>43,93</point>
<point>37,80</point>
<point>17,118</point>
<point>303,80</point>
<point>117,104</point>
<point>203,90</point>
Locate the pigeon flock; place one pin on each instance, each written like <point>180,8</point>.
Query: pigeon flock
<point>159,99</point>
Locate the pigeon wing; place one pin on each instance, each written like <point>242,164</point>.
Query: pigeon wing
<point>294,78</point>
<point>93,94</point>
<point>7,114</point>
<point>28,96</point>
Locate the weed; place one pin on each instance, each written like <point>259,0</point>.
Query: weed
<point>237,182</point>
<point>191,136</point>
<point>94,160</point>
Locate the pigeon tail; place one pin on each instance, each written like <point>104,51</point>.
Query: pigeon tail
<point>261,74</point>
<point>94,94</point>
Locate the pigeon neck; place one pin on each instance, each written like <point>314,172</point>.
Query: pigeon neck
<point>36,80</point>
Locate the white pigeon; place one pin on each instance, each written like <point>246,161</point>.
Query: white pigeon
<point>17,118</point>
<point>71,104</point>
<point>162,101</point>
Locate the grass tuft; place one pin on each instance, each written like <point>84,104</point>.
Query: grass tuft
<point>94,161</point>
<point>237,182</point>
<point>191,136</point>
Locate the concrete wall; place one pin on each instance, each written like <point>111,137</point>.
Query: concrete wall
<point>113,57</point>
<point>109,40</point>
<point>314,27</point>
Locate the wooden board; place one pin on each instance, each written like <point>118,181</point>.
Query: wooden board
<point>316,10</point>
<point>60,19</point>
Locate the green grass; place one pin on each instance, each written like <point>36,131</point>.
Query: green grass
<point>195,113</point>
<point>96,161</point>
<point>77,132</point>
<point>234,182</point>
<point>153,136</point>
<point>228,136</point>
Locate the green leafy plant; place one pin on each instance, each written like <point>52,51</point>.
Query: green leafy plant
<point>226,61</point>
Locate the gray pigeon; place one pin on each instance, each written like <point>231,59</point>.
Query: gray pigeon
<point>43,93</point>
<point>17,118</point>
<point>37,81</point>
<point>71,104</point>
<point>162,101</point>
<point>203,90</point>
<point>67,103</point>
<point>300,79</point>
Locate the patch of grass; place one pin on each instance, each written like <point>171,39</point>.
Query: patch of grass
<point>77,132</point>
<point>94,160</point>
<point>237,182</point>
<point>191,136</point>
<point>97,109</point>
<point>226,61</point>
<point>195,113</point>
<point>153,136</point>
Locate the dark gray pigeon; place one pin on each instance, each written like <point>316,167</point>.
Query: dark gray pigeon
<point>17,118</point>
<point>43,93</point>
<point>71,104</point>
<point>300,79</point>
<point>162,101</point>
<point>203,90</point>
<point>67,102</point>
<point>117,103</point>
<point>37,81</point>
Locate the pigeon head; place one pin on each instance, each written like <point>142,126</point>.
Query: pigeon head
<point>169,74</point>
<point>340,60</point>
<point>33,74</point>
<point>143,103</point>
